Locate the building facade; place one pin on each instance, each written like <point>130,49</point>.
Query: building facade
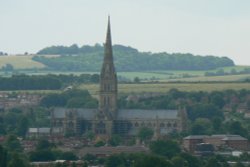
<point>108,119</point>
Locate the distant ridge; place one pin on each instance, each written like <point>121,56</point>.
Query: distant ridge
<point>89,58</point>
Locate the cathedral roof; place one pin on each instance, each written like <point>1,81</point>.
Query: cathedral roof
<point>124,114</point>
<point>132,114</point>
<point>85,113</point>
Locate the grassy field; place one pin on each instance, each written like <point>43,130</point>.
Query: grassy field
<point>25,62</point>
<point>174,75</point>
<point>164,87</point>
<point>20,62</point>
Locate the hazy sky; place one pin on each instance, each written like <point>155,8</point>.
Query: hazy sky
<point>205,27</point>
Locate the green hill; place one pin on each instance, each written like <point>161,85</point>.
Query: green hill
<point>89,58</point>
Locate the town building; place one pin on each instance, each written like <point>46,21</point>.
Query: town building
<point>229,142</point>
<point>108,119</point>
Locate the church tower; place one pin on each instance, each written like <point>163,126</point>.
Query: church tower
<point>108,81</point>
<point>103,124</point>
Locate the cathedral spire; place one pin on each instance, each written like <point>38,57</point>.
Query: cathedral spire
<point>108,80</point>
<point>108,45</point>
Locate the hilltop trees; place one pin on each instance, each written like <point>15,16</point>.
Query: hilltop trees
<point>89,58</point>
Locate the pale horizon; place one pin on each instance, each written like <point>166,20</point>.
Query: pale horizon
<point>200,27</point>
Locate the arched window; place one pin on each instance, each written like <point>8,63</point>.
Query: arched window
<point>136,124</point>
<point>60,123</point>
<point>169,125</point>
<point>100,128</point>
<point>70,124</point>
<point>149,124</point>
<point>71,115</point>
<point>162,125</point>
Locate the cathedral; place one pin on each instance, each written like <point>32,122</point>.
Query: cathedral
<point>108,119</point>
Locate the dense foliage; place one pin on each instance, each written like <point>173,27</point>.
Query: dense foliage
<point>44,82</point>
<point>89,58</point>
<point>221,72</point>
<point>25,82</point>
<point>72,99</point>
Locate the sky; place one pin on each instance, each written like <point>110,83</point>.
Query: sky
<point>200,27</point>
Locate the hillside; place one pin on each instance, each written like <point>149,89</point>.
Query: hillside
<point>20,62</point>
<point>89,58</point>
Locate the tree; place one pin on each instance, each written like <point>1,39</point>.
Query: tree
<point>13,144</point>
<point>151,160</point>
<point>201,126</point>
<point>216,123</point>
<point>213,162</point>
<point>42,155</point>
<point>235,127</point>
<point>137,80</point>
<point>22,126</point>
<point>70,156</point>
<point>44,144</point>
<point>145,133</point>
<point>16,160</point>
<point>95,78</point>
<point>115,161</point>
<point>179,162</point>
<point>3,157</point>
<point>115,140</point>
<point>8,68</point>
<point>100,143</point>
<point>166,148</point>
<point>191,160</point>
<point>90,158</point>
<point>53,100</point>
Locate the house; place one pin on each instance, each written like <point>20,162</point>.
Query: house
<point>234,142</point>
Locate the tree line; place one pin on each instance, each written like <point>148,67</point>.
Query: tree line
<point>89,58</point>
<point>221,72</point>
<point>44,82</point>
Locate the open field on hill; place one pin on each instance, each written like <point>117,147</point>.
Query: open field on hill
<point>164,87</point>
<point>226,78</point>
<point>178,75</point>
<point>20,62</point>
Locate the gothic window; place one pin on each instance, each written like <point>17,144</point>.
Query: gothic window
<point>169,125</point>
<point>101,128</point>
<point>108,99</point>
<point>149,124</point>
<point>60,123</point>
<point>136,124</point>
<point>70,115</point>
<point>70,124</point>
<point>175,125</point>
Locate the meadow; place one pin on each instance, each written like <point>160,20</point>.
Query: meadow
<point>20,62</point>
<point>165,87</point>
